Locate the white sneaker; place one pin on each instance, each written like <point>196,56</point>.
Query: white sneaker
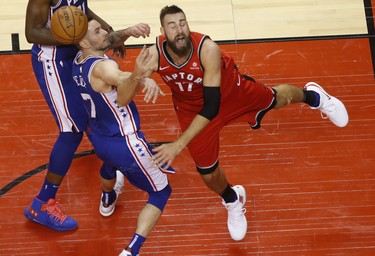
<point>330,106</point>
<point>108,211</point>
<point>126,253</point>
<point>237,223</point>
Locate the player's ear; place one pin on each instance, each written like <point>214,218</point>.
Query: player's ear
<point>83,44</point>
<point>162,31</point>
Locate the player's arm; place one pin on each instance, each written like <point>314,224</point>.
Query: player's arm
<point>36,19</point>
<point>211,62</point>
<point>150,88</point>
<point>153,64</point>
<point>118,37</point>
<point>106,74</point>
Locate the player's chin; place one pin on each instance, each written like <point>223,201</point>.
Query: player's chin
<point>107,45</point>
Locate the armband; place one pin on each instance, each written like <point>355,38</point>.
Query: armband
<point>211,102</point>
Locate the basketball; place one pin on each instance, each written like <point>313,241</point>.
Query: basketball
<point>68,25</point>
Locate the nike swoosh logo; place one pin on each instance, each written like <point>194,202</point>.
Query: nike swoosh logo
<point>239,81</point>
<point>162,68</point>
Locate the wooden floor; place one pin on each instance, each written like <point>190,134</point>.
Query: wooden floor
<point>310,185</point>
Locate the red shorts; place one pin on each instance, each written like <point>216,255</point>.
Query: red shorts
<point>246,100</point>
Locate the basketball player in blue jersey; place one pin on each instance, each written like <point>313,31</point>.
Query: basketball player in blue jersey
<point>114,128</point>
<point>52,64</point>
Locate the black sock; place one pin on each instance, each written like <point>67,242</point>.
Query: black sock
<point>229,195</point>
<point>108,198</point>
<point>311,98</point>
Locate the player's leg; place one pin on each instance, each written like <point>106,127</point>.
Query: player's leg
<point>316,97</point>
<point>58,91</point>
<point>147,219</point>
<point>133,156</point>
<point>135,160</point>
<point>112,182</point>
<point>205,151</point>
<point>233,198</point>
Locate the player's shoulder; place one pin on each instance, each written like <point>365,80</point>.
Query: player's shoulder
<point>209,45</point>
<point>100,66</point>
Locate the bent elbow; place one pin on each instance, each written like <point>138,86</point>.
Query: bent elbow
<point>29,37</point>
<point>121,102</point>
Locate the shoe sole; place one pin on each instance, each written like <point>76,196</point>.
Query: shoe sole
<point>107,214</point>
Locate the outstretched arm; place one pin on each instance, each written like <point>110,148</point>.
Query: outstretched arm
<point>211,61</point>
<point>120,36</point>
<point>117,38</point>
<point>107,74</point>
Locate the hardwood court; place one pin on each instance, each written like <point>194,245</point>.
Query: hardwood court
<point>310,185</point>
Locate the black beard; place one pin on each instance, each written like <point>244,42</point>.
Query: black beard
<point>182,51</point>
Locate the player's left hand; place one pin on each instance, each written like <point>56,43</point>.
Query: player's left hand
<point>166,153</point>
<point>117,38</point>
<point>151,90</point>
<point>140,30</point>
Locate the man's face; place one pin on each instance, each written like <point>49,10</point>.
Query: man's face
<point>176,30</point>
<point>97,37</point>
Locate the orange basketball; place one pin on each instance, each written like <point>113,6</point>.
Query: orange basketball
<point>68,25</point>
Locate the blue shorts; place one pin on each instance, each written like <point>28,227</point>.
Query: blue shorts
<point>132,155</point>
<point>61,93</point>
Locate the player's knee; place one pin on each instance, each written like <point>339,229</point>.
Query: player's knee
<point>213,179</point>
<point>70,138</point>
<point>207,171</point>
<point>159,199</point>
<point>63,152</point>
<point>107,172</point>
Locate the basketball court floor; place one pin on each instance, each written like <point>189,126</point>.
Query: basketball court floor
<point>310,185</point>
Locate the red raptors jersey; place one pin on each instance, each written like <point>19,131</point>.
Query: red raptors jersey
<point>186,80</point>
<point>242,98</point>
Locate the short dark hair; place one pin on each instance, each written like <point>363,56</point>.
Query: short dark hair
<point>169,10</point>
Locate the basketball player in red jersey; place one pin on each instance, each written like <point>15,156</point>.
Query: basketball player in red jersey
<point>209,92</point>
